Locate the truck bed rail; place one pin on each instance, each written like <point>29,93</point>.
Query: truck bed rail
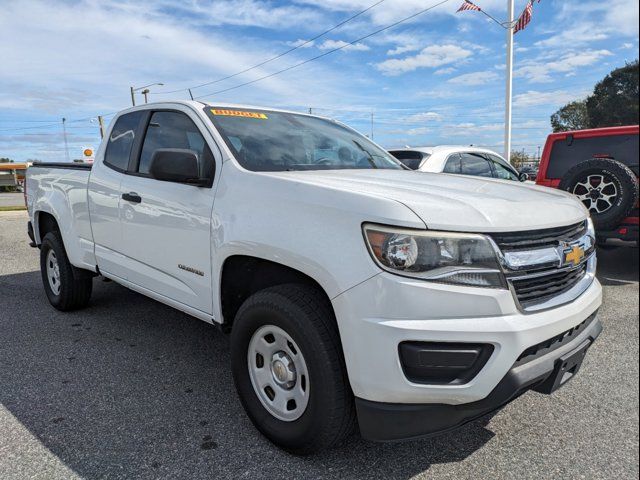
<point>66,165</point>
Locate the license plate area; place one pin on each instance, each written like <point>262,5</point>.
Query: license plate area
<point>565,368</point>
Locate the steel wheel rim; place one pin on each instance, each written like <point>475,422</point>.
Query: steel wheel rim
<point>278,373</point>
<point>53,272</point>
<point>597,192</point>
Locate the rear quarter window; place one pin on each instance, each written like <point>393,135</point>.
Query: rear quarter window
<point>566,154</point>
<point>121,140</point>
<point>410,159</point>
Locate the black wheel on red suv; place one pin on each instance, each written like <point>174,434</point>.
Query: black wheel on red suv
<point>608,188</point>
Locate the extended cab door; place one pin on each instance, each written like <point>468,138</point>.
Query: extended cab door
<point>166,226</point>
<point>104,191</point>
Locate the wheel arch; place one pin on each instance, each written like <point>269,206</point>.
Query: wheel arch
<point>45,222</point>
<point>243,275</point>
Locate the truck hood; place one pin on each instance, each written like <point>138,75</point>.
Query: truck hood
<point>456,202</point>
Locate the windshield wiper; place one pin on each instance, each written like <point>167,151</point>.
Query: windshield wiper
<point>370,157</point>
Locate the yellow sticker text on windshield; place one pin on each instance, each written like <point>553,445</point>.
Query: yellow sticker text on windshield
<point>238,113</point>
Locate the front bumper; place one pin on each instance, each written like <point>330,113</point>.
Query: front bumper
<point>376,316</point>
<point>390,422</point>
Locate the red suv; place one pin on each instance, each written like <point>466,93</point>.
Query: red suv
<point>600,167</point>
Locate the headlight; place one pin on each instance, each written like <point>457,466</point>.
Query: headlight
<point>455,258</point>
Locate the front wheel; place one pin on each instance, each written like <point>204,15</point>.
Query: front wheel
<point>289,369</point>
<point>67,287</point>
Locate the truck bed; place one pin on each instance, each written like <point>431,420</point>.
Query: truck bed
<point>60,190</point>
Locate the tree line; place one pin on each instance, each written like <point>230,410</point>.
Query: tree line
<point>614,102</point>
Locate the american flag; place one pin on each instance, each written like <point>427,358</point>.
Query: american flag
<point>525,18</point>
<point>467,5</point>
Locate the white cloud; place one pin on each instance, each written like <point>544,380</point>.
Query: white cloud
<point>429,57</point>
<point>472,128</point>
<point>581,34</point>
<point>400,49</point>
<point>444,71</point>
<point>302,43</point>
<point>558,98</point>
<point>590,22</point>
<point>540,71</point>
<point>256,13</point>
<point>474,78</point>
<point>424,117</point>
<point>394,10</point>
<point>333,44</point>
<point>418,131</point>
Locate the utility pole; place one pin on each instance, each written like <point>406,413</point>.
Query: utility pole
<point>146,87</point>
<point>371,126</point>
<point>145,92</point>
<point>101,123</point>
<point>64,134</point>
<point>509,86</point>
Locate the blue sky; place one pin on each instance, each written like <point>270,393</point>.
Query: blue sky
<point>436,79</point>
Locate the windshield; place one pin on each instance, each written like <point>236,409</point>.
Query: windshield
<point>266,141</point>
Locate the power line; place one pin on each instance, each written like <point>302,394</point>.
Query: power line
<point>502,24</point>
<point>280,55</point>
<point>353,42</point>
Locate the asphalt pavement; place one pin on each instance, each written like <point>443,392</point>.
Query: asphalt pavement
<point>129,388</point>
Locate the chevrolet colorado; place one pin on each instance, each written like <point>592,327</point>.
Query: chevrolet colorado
<point>354,291</point>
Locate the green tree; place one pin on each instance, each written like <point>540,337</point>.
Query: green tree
<point>614,102</point>
<point>573,116</point>
<point>518,159</point>
<point>5,160</point>
<point>615,98</point>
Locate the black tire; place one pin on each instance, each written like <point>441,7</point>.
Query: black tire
<point>615,173</point>
<point>75,284</point>
<point>305,315</point>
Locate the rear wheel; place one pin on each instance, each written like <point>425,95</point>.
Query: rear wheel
<point>289,370</point>
<point>67,287</point>
<point>606,187</point>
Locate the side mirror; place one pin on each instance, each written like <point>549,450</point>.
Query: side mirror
<point>523,177</point>
<point>176,165</point>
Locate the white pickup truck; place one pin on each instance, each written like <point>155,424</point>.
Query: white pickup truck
<point>354,291</point>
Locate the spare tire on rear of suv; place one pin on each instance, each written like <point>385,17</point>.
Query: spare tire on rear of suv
<point>608,188</point>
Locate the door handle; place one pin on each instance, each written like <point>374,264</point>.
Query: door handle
<point>132,197</point>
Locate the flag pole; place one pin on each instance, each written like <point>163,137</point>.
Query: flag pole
<point>509,75</point>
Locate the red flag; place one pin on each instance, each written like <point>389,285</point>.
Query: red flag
<point>467,5</point>
<point>525,18</point>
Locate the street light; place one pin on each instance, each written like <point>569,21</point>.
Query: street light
<point>145,92</point>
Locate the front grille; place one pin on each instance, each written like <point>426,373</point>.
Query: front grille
<point>548,346</point>
<point>531,239</point>
<point>538,288</point>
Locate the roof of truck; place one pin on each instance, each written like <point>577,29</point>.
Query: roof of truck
<point>197,104</point>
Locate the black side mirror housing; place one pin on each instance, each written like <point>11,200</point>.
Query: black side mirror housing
<point>176,165</point>
<point>523,177</point>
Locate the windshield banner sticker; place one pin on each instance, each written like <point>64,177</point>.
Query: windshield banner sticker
<point>238,113</point>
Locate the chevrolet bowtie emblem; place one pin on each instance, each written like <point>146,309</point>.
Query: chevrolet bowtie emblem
<point>573,255</point>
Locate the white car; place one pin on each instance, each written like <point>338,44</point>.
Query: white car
<point>351,287</point>
<point>478,162</point>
